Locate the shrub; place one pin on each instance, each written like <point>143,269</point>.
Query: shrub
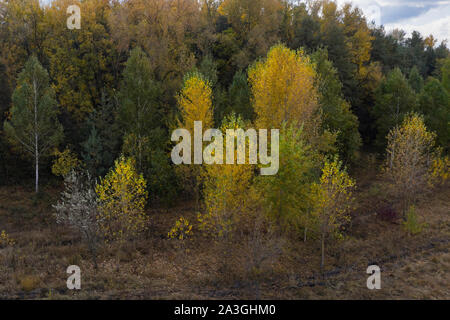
<point>6,240</point>
<point>411,223</point>
<point>439,171</point>
<point>77,208</point>
<point>29,283</point>
<point>180,233</point>
<point>387,213</point>
<point>181,230</point>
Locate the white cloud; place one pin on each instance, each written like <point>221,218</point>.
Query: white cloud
<point>433,17</point>
<point>435,21</point>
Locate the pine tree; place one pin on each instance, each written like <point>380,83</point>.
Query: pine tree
<point>139,105</point>
<point>415,80</point>
<point>434,104</point>
<point>394,98</point>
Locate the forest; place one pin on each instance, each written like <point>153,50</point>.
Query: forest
<point>87,178</point>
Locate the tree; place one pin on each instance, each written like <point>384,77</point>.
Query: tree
<point>5,101</point>
<point>122,198</point>
<point>255,26</point>
<point>336,113</point>
<point>139,111</point>
<point>167,30</point>
<point>333,201</point>
<point>226,191</point>
<point>195,101</point>
<point>81,62</point>
<point>78,208</point>
<point>415,80</point>
<point>445,71</point>
<point>65,162</point>
<point>434,104</point>
<point>409,159</point>
<point>394,98</point>
<point>103,143</point>
<point>194,104</point>
<point>239,96</point>
<point>283,89</point>
<point>33,125</point>
<point>287,194</point>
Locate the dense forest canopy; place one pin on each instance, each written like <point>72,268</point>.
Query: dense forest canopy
<point>361,71</point>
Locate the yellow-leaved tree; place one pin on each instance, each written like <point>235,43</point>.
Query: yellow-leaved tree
<point>65,162</point>
<point>333,201</point>
<point>283,89</point>
<point>122,195</point>
<point>410,155</point>
<point>226,191</point>
<point>195,104</point>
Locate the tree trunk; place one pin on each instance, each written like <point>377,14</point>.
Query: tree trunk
<point>322,263</point>
<point>37,171</point>
<point>304,235</point>
<point>36,138</point>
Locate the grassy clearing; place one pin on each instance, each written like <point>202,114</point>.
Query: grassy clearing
<point>413,267</point>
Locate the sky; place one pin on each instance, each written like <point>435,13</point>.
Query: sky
<point>426,16</point>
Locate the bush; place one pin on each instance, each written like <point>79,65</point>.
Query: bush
<point>78,208</point>
<point>29,283</point>
<point>6,240</point>
<point>387,213</point>
<point>411,224</point>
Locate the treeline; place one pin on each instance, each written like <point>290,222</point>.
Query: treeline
<point>118,85</point>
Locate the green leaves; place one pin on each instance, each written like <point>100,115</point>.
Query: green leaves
<point>34,125</point>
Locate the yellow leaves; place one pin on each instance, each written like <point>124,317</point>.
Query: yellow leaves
<point>430,41</point>
<point>409,156</point>
<point>122,195</point>
<point>6,240</point>
<point>181,230</point>
<point>283,88</point>
<point>65,162</point>
<point>333,196</point>
<point>226,190</point>
<point>439,171</point>
<point>195,102</point>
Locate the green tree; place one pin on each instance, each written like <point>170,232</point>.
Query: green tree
<point>415,80</point>
<point>336,113</point>
<point>287,194</point>
<point>445,74</point>
<point>239,96</point>
<point>103,143</point>
<point>33,125</point>
<point>434,104</point>
<point>394,98</point>
<point>139,111</point>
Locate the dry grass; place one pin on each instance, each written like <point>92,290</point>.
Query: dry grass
<point>152,268</point>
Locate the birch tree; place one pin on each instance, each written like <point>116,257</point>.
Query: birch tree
<point>33,125</point>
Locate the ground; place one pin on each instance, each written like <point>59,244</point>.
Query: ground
<point>412,267</point>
